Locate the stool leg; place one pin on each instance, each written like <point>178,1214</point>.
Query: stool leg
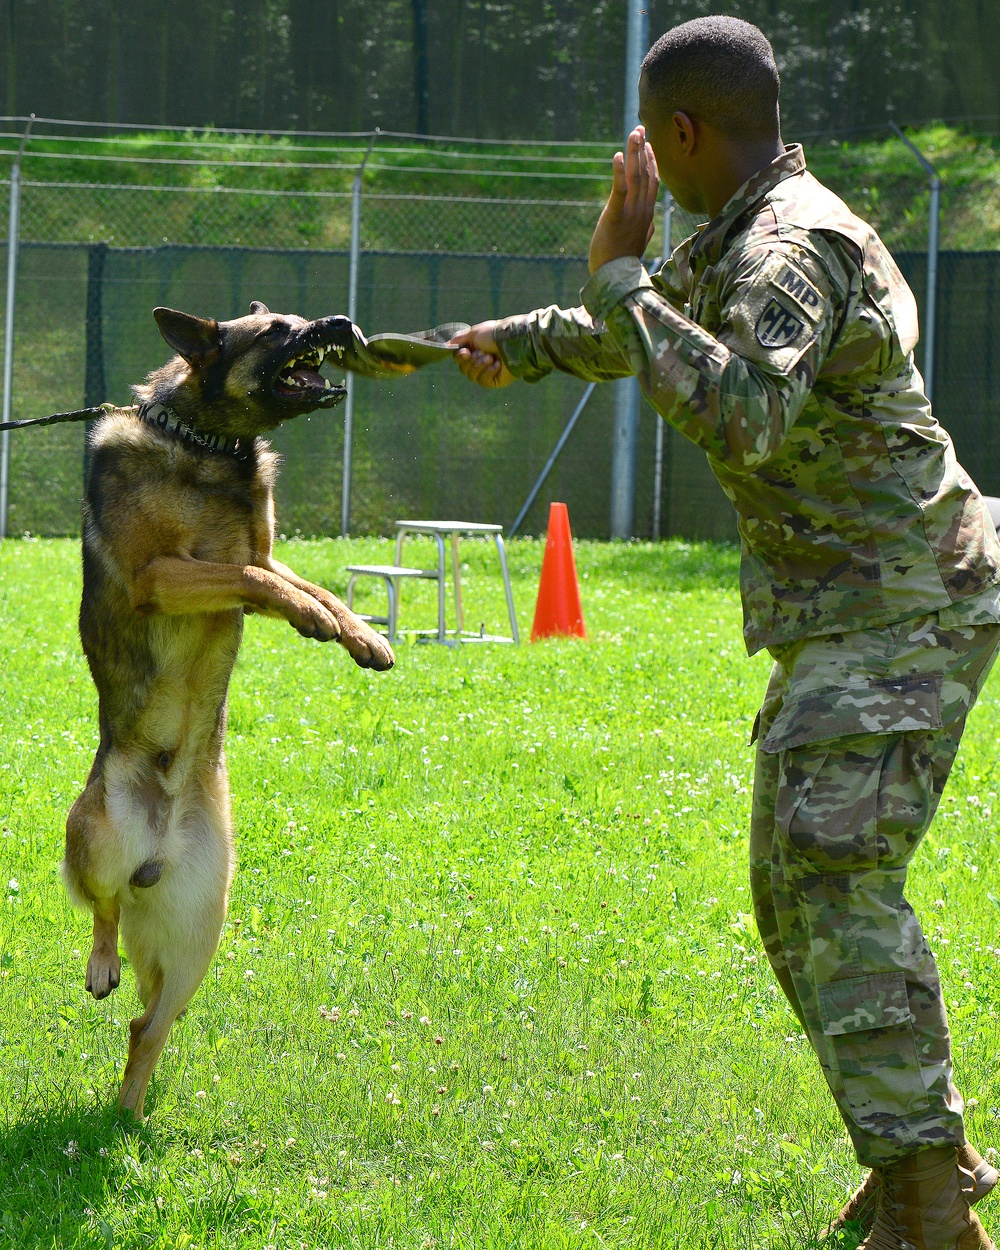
<point>350,591</point>
<point>459,614</point>
<point>502,553</point>
<point>441,561</point>
<point>392,592</point>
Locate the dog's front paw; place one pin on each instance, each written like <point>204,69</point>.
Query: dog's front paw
<point>104,972</point>
<point>366,648</point>
<point>313,620</point>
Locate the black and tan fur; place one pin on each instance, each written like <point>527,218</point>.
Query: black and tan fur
<point>177,547</point>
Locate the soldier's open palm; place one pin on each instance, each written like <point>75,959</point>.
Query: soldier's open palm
<point>626,224</point>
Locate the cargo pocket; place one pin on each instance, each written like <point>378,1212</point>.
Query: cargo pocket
<point>826,809</point>
<point>854,790</point>
<point>877,707</point>
<point>868,1024</point>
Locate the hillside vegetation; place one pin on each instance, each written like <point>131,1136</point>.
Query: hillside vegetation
<point>879,178</point>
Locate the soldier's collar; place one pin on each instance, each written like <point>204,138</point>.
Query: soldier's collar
<point>709,243</point>
<point>169,423</point>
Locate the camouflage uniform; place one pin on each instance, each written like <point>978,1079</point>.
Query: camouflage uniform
<point>780,339</point>
<point>858,733</point>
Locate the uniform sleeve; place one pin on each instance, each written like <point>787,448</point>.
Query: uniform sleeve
<point>738,392</point>
<point>571,340</point>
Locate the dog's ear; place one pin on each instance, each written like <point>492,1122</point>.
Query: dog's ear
<point>197,339</point>
<point>256,307</point>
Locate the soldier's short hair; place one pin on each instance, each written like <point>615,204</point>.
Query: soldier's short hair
<point>719,70</point>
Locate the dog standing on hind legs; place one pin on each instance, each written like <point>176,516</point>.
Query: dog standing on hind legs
<point>177,536</point>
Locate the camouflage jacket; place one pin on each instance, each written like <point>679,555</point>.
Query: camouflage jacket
<point>780,340</point>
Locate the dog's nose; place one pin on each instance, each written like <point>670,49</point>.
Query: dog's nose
<point>335,324</point>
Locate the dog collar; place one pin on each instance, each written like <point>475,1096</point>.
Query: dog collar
<point>168,422</point>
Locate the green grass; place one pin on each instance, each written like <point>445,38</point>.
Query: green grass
<point>539,850</point>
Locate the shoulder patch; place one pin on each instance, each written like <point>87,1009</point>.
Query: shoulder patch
<point>791,282</point>
<point>777,327</point>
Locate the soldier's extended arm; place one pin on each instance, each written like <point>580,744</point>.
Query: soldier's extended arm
<point>736,394</point>
<point>532,344</point>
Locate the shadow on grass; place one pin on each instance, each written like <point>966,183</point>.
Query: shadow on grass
<point>59,1167</point>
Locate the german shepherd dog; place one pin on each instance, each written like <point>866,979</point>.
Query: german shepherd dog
<point>178,523</point>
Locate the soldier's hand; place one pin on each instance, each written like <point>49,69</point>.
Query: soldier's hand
<point>626,225</point>
<point>478,358</point>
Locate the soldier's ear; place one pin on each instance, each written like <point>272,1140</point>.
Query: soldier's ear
<point>256,307</point>
<point>197,339</point>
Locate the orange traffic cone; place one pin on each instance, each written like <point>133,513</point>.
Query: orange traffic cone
<point>558,612</point>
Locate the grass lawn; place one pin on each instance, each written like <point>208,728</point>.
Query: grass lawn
<point>488,978</point>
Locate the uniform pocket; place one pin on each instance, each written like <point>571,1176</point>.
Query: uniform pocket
<point>868,1024</point>
<point>826,810</point>
<point>876,707</point>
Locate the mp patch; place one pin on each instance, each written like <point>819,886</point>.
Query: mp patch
<point>799,289</point>
<point>777,327</point>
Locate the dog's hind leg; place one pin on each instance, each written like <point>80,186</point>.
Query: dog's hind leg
<point>88,836</point>
<point>169,992</point>
<point>171,933</point>
<point>104,967</point>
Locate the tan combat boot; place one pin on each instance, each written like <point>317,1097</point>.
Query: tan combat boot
<point>860,1208</point>
<point>923,1205</point>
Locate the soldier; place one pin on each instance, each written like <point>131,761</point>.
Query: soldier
<point>780,339</point>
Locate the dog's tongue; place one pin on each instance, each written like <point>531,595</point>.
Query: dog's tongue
<point>307,377</point>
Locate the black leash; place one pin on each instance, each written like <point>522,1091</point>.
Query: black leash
<point>80,414</point>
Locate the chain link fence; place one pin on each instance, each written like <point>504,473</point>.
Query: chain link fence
<point>96,258</point>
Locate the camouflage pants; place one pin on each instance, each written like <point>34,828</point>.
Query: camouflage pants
<point>857,736</point>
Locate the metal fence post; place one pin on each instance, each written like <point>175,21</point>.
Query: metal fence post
<point>933,244</point>
<point>13,241</point>
<point>352,312</point>
<point>930,335</point>
<point>93,386</point>
<point>668,247</point>
<point>625,441</point>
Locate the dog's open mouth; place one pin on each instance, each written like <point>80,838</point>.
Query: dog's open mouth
<point>299,378</point>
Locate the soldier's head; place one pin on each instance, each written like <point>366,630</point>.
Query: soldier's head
<point>708,87</point>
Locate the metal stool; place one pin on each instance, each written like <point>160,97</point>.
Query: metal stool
<point>439,531</point>
<point>391,575</point>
